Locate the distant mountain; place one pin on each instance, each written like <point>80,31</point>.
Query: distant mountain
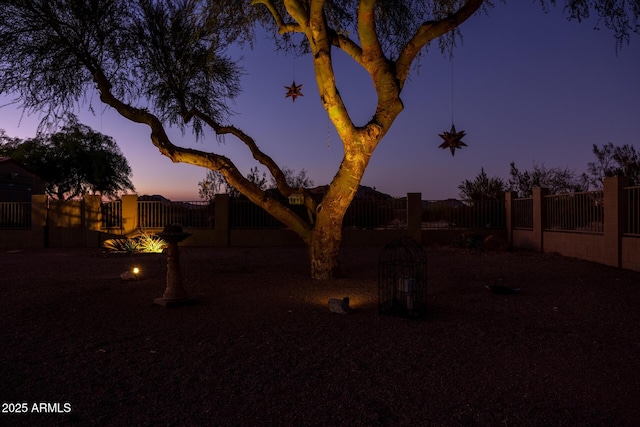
<point>153,198</point>
<point>363,193</point>
<point>452,203</point>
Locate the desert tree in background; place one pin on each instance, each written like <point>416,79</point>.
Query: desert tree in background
<point>482,187</point>
<point>613,160</point>
<point>73,162</point>
<point>556,179</point>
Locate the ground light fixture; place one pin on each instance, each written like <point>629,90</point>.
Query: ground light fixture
<point>134,273</point>
<point>340,306</point>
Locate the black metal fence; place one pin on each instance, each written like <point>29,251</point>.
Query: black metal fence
<point>245,214</point>
<point>566,212</point>
<point>15,215</point>
<point>361,214</point>
<point>632,227</point>
<point>522,213</point>
<point>580,212</point>
<point>463,214</point>
<point>111,214</point>
<point>376,214</point>
<point>157,214</point>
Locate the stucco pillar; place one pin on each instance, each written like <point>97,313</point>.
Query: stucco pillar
<point>92,205</point>
<point>91,221</point>
<point>539,217</point>
<point>129,214</point>
<point>509,196</point>
<point>39,229</point>
<point>615,211</point>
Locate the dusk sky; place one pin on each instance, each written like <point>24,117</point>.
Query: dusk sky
<point>527,87</point>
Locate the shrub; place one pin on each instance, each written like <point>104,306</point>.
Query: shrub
<point>469,241</point>
<point>152,244</point>
<point>142,243</point>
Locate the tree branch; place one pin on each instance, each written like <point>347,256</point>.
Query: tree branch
<point>371,49</point>
<point>211,161</point>
<point>429,31</point>
<point>347,45</point>
<point>264,159</point>
<point>283,27</point>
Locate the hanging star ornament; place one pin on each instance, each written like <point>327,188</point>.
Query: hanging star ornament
<point>293,91</point>
<point>452,139</point>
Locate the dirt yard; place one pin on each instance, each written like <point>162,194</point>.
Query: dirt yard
<point>260,347</point>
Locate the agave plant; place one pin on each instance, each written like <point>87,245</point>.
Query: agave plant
<point>151,244</point>
<point>141,243</point>
<point>121,245</point>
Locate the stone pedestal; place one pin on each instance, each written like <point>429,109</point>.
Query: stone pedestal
<point>175,294</point>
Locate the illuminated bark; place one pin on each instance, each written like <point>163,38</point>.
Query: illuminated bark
<point>359,143</point>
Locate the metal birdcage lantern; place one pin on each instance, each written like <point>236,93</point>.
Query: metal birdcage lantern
<point>402,279</point>
<point>296,199</point>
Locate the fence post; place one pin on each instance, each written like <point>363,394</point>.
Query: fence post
<point>91,221</point>
<point>129,214</point>
<point>92,212</point>
<point>222,219</point>
<point>414,216</point>
<point>39,220</point>
<point>615,211</point>
<point>509,196</point>
<point>539,217</point>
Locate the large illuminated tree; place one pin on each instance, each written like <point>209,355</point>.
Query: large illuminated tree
<point>160,63</point>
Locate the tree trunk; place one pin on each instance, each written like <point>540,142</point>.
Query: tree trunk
<point>323,251</point>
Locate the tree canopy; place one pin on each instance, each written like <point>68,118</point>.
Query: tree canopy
<point>556,180</point>
<point>613,160</point>
<point>163,64</point>
<point>482,187</point>
<point>73,162</point>
<point>215,183</point>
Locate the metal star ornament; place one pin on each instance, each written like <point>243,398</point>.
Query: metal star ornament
<point>452,139</point>
<point>293,91</point>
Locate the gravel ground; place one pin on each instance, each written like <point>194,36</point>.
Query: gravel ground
<point>260,347</point>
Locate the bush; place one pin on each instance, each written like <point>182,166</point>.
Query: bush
<point>143,243</point>
<point>470,241</point>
